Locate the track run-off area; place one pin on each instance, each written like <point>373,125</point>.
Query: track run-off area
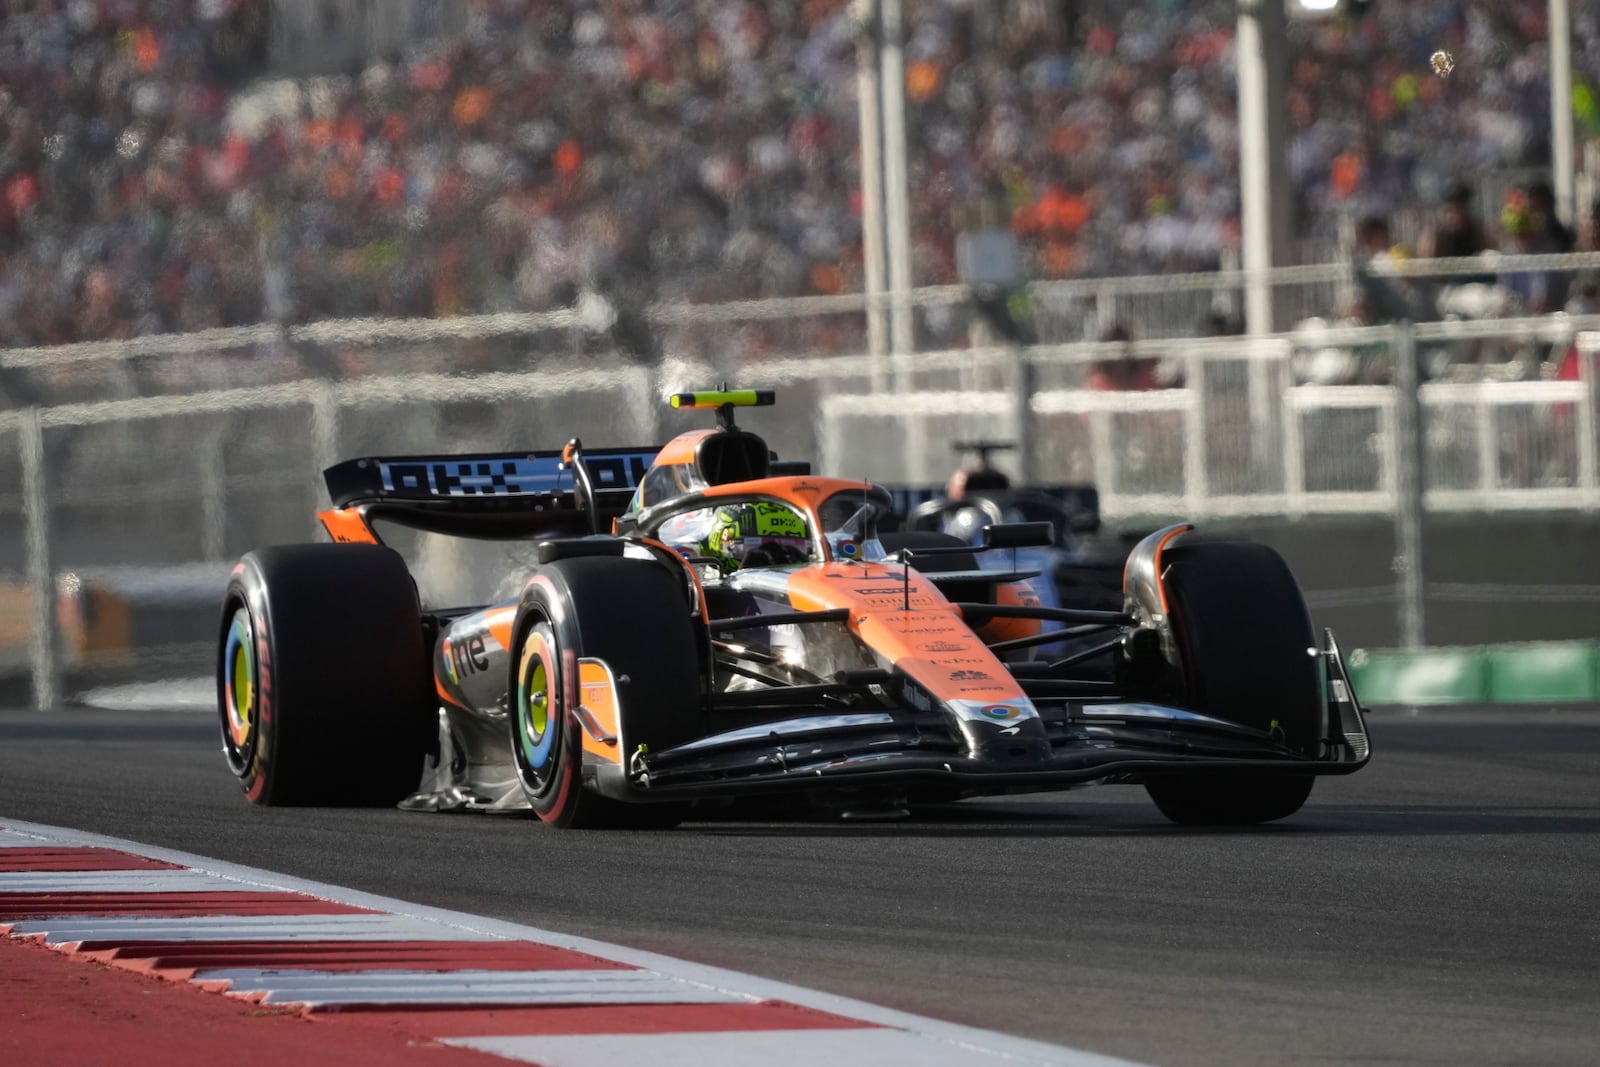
<point>1440,907</point>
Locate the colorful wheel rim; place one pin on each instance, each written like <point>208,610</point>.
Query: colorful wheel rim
<point>239,680</point>
<point>534,703</point>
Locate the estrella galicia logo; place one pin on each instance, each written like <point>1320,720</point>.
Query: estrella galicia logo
<point>999,712</point>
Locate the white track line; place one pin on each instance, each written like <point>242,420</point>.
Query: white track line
<point>544,988</point>
<point>835,1048</point>
<point>69,929</point>
<point>118,882</point>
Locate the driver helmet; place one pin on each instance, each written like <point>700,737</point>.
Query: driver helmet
<point>980,479</point>
<point>966,523</point>
<point>755,535</point>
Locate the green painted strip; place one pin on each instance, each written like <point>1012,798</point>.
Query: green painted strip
<point>1553,671</point>
<point>1426,676</point>
<point>1536,672</point>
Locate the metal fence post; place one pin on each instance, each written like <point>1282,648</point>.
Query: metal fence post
<point>43,643</point>
<point>649,389</point>
<point>870,119</point>
<point>213,497</point>
<point>1485,418</point>
<point>1103,458</point>
<point>1410,458</point>
<point>1022,415</point>
<point>1294,461</point>
<point>919,472</point>
<point>1266,435</point>
<point>1196,479</point>
<point>1588,454</point>
<point>324,441</point>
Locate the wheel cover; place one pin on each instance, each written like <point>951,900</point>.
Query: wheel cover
<point>239,689</point>
<point>536,709</point>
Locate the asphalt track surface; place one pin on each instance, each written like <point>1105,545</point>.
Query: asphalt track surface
<point>1442,906</point>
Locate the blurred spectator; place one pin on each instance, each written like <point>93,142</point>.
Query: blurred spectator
<point>1527,290</point>
<point>1456,231</point>
<point>1588,232</point>
<point>1585,300</point>
<point>1384,296</point>
<point>1123,372</point>
<point>1548,235</point>
<point>696,150</point>
<point>1529,226</point>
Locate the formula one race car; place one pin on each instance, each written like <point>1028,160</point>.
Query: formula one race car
<point>689,627</point>
<point>1082,567</point>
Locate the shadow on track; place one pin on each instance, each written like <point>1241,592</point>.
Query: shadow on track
<point>1131,820</point>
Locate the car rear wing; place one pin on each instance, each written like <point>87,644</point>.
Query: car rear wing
<point>494,494</point>
<point>1079,503</point>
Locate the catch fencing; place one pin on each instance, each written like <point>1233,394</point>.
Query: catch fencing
<point>133,473</point>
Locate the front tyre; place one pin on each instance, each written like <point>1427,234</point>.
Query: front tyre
<point>1240,631</point>
<point>630,614</point>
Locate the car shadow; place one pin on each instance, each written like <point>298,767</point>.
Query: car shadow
<point>1139,820</point>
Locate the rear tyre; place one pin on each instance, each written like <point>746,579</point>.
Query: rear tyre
<point>1240,632</point>
<point>323,682</point>
<point>631,614</point>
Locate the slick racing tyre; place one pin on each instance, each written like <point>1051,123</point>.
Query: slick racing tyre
<point>631,614</point>
<point>323,681</point>
<point>1241,629</point>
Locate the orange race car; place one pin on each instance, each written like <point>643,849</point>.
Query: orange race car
<point>699,623</point>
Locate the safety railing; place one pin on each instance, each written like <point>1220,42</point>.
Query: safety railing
<point>1245,434</point>
<point>170,456</point>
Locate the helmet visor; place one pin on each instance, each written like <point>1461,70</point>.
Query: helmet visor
<point>768,551</point>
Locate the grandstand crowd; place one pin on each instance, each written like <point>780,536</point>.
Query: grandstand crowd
<point>157,175</point>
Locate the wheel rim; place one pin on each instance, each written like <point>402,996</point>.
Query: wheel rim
<point>239,688</point>
<point>536,709</point>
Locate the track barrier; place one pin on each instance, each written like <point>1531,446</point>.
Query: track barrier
<point>1543,672</point>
